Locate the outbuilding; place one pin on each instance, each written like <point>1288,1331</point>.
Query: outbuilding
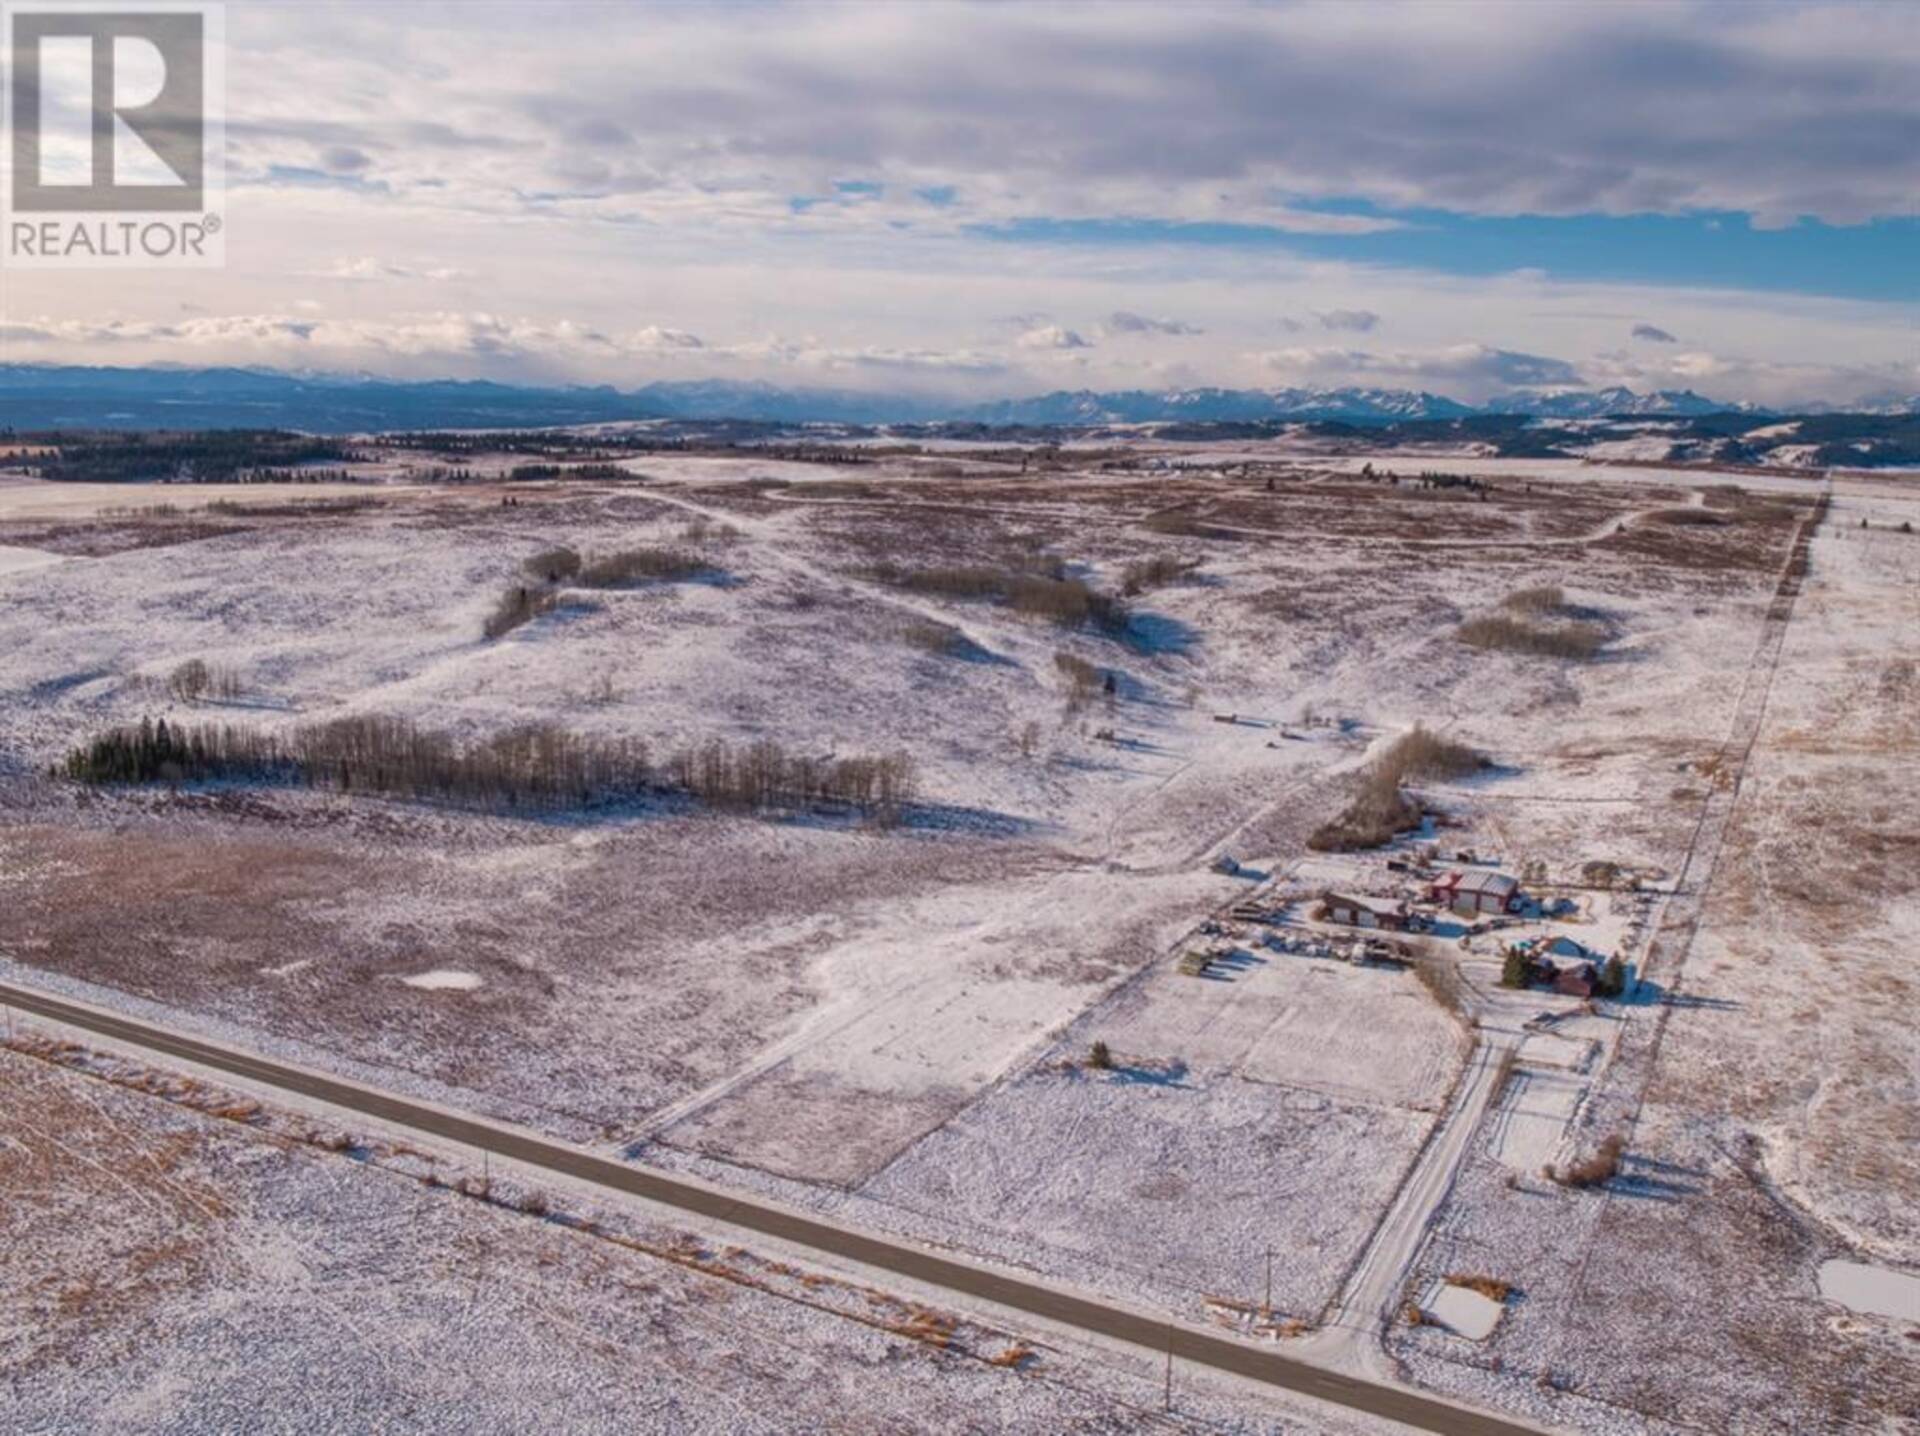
<point>1359,910</point>
<point>1472,893</point>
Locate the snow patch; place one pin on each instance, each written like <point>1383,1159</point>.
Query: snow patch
<point>444,979</point>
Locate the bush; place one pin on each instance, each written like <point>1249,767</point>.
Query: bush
<point>1069,602</point>
<point>642,565</point>
<point>553,565</point>
<point>1597,1170</point>
<point>1381,810</point>
<point>1504,632</point>
<point>1375,816</point>
<point>1491,1287</point>
<point>939,639</point>
<point>1688,518</point>
<point>1037,587</point>
<point>1145,573</point>
<point>519,604</point>
<point>1422,753</point>
<point>1084,677</point>
<point>1543,598</point>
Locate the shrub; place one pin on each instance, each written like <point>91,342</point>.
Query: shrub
<point>1421,753</point>
<point>1688,518</point>
<point>553,565</point>
<point>1028,738</point>
<point>1381,810</point>
<point>1069,602</point>
<point>1598,1169</point>
<point>1491,1287</point>
<point>519,604</point>
<point>1543,598</point>
<point>1376,814</point>
<point>1145,573</point>
<point>642,565</point>
<point>1083,676</point>
<point>939,639</point>
<point>1504,632</point>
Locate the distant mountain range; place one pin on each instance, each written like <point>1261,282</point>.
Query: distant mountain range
<point>34,396</point>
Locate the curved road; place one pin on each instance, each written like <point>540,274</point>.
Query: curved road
<point>1031,1295</point>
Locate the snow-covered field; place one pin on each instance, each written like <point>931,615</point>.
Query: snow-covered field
<point>1779,1133</point>
<point>891,1023</point>
<point>172,1271</point>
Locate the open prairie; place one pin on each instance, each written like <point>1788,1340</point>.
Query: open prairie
<point>1125,704</point>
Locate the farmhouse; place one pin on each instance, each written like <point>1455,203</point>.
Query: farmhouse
<point>1361,911</point>
<point>1469,893</point>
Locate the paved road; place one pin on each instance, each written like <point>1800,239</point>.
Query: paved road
<point>1015,1292</point>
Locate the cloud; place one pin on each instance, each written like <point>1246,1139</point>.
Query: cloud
<point>369,268</point>
<point>656,337</point>
<point>1763,381</point>
<point>344,159</point>
<point>1464,371</point>
<point>1053,336</point>
<point>1358,321</point>
<point>1262,115</point>
<point>1653,334</point>
<point>1125,321</point>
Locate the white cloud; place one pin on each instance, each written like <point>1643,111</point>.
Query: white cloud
<point>1053,336</point>
<point>368,268</point>
<point>1463,371</point>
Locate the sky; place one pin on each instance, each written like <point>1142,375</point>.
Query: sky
<point>1013,198</point>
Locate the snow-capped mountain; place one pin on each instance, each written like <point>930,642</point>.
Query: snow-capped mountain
<point>1602,403</point>
<point>55,396</point>
<point>1141,406</point>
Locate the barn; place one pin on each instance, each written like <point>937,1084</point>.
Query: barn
<point>1387,914</point>
<point>1472,893</point>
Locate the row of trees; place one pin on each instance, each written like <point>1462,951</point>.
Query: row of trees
<point>217,456</point>
<point>533,766</point>
<point>763,776</point>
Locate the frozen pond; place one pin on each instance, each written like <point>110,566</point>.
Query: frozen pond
<point>1872,1290</point>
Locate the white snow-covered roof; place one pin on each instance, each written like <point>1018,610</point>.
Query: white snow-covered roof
<point>1482,881</point>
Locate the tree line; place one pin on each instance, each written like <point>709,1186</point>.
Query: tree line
<point>533,766</point>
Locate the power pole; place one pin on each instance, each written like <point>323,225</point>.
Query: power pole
<point>1269,1305</point>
